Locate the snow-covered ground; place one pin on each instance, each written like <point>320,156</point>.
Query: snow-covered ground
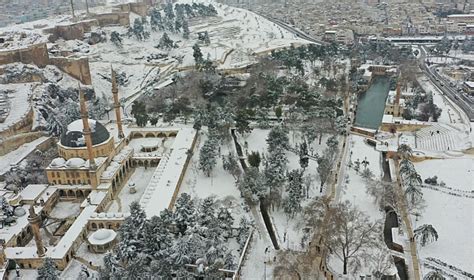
<point>448,115</point>
<point>355,187</point>
<point>140,177</point>
<point>65,209</point>
<point>450,210</point>
<point>235,35</point>
<point>75,270</point>
<point>14,157</point>
<point>163,144</point>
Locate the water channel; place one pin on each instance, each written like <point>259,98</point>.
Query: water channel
<point>371,104</point>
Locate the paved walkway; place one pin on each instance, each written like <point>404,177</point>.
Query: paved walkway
<point>415,268</point>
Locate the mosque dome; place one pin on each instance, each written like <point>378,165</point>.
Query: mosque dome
<point>58,162</point>
<point>74,136</point>
<point>75,163</point>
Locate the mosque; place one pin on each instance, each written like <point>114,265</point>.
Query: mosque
<point>95,163</point>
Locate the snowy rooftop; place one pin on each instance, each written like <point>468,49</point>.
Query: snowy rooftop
<point>109,216</point>
<point>95,198</point>
<point>387,119</point>
<point>160,190</point>
<point>32,192</point>
<point>102,236</point>
<point>78,126</point>
<point>74,163</point>
<point>71,235</point>
<point>8,232</point>
<point>115,164</point>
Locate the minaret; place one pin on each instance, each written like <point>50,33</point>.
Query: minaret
<point>117,105</point>
<point>87,135</point>
<point>35,223</point>
<point>398,94</point>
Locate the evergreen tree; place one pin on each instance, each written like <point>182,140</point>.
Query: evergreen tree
<point>207,157</point>
<point>116,39</point>
<point>206,213</point>
<point>226,221</point>
<point>166,42</point>
<point>243,231</point>
<point>157,236</point>
<point>278,112</point>
<point>48,270</point>
<point>111,268</point>
<point>6,208</point>
<point>292,204</point>
<point>229,261</point>
<point>169,13</point>
<point>139,113</point>
<point>325,164</point>
<point>275,170</point>
<point>185,212</point>
<point>340,124</point>
<point>139,30</point>
<point>131,233</point>
<point>230,164</point>
<point>278,139</point>
<point>242,122</point>
<point>252,186</point>
<point>178,24</point>
<point>156,21</point>
<point>186,31</point>
<point>303,153</point>
<point>197,54</point>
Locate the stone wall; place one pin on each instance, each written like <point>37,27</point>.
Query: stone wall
<point>35,54</point>
<point>12,143</point>
<point>393,127</point>
<point>77,68</point>
<point>72,31</point>
<point>139,8</point>
<point>119,18</point>
<point>23,125</point>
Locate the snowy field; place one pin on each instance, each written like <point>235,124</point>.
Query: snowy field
<point>141,177</point>
<point>355,187</point>
<point>235,35</point>
<point>450,210</point>
<point>75,271</point>
<point>222,185</point>
<point>66,209</point>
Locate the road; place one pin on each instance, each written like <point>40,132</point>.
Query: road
<point>291,29</point>
<point>464,102</point>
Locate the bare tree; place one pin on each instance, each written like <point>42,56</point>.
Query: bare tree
<point>349,234</point>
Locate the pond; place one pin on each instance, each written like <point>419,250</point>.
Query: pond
<point>371,104</point>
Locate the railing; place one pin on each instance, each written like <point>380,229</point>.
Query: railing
<point>243,256</point>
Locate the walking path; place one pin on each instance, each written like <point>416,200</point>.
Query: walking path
<point>414,270</point>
